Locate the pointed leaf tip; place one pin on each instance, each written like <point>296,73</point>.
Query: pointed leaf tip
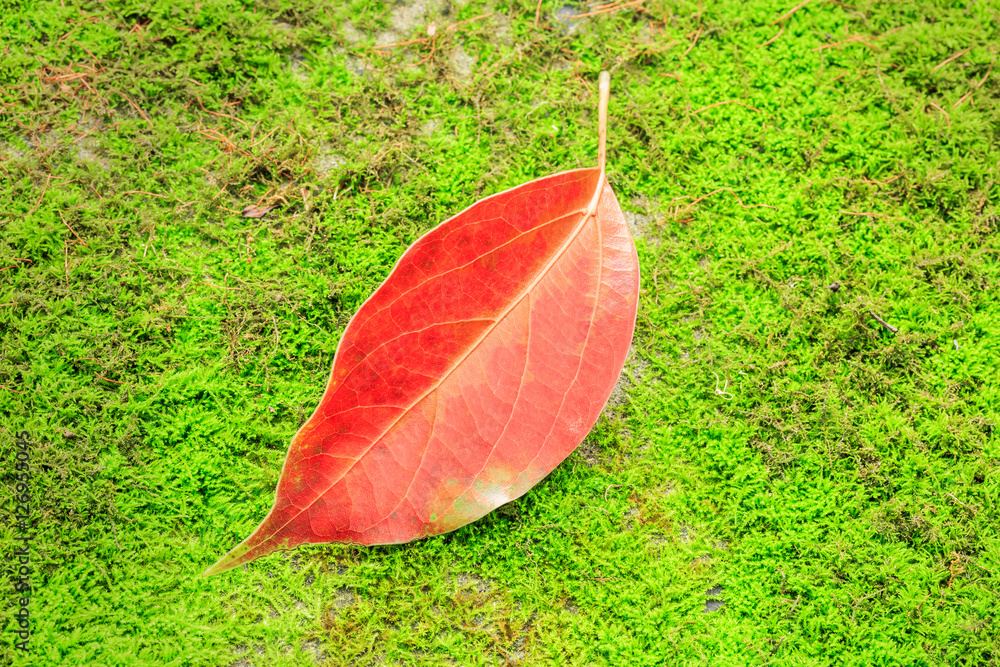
<point>241,553</point>
<point>221,565</point>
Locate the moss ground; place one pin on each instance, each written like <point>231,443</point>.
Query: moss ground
<point>780,480</point>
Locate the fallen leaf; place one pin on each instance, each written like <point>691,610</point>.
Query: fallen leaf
<point>479,364</point>
<point>257,211</point>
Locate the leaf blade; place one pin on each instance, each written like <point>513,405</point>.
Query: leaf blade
<point>436,337</point>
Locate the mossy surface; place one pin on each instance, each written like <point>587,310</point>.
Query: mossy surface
<point>781,479</point>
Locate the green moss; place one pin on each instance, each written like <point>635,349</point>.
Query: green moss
<point>834,484</point>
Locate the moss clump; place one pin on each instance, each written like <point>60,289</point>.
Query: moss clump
<point>831,482</point>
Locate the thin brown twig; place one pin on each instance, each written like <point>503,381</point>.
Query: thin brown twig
<point>45,188</point>
<point>868,180</point>
<point>136,107</point>
<point>971,509</point>
<point>265,137</point>
<point>730,191</point>
<point>605,5</point>
<point>538,12</point>
<point>950,58</point>
<point>223,115</point>
<point>850,40</point>
<point>885,325</point>
<point>455,26</point>
<point>107,379</point>
<point>962,99</point>
<point>955,567</point>
<point>780,33</point>
<point>974,88</point>
<point>425,40</point>
<point>947,118</point>
<point>694,41</point>
<point>871,215</point>
<point>228,145</point>
<point>143,192</point>
<point>422,40</point>
<point>614,7</point>
<point>231,289</point>
<point>791,11</point>
<point>73,231</point>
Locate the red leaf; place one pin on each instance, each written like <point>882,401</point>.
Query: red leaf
<point>477,366</point>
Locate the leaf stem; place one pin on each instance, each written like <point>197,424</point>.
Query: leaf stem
<point>604,88</point>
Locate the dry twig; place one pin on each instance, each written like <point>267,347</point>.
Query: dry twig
<point>605,9</point>
<point>950,58</point>
<point>885,325</point>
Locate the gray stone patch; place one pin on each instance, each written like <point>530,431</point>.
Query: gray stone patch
<point>298,69</point>
<point>468,580</point>
<point>46,139</point>
<point>500,28</point>
<point>567,25</point>
<point>351,34</point>
<point>517,652</point>
<point>427,128</point>
<point>355,66</point>
<point>85,152</point>
<point>315,649</point>
<point>408,18</point>
<point>645,35</point>
<point>640,215</point>
<point>638,224</point>
<point>11,151</point>
<point>713,603</point>
<point>461,62</point>
<point>636,370</point>
<point>343,598</point>
<point>589,451</point>
<point>327,161</point>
